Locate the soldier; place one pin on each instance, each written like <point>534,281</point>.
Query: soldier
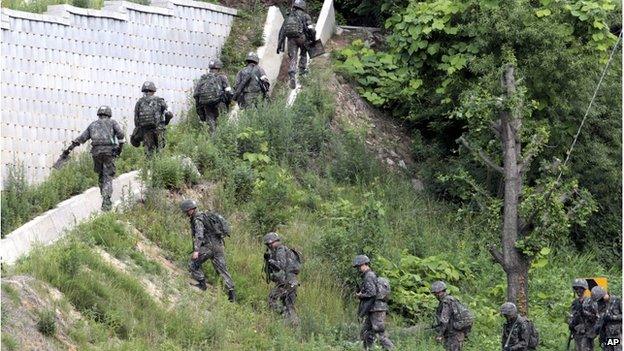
<point>208,230</point>
<point>212,94</point>
<point>150,120</point>
<point>516,331</point>
<point>282,266</point>
<point>581,328</point>
<point>252,84</point>
<point>298,29</point>
<point>448,313</point>
<point>609,325</point>
<point>107,140</point>
<point>370,308</point>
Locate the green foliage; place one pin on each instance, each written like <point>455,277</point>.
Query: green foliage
<point>107,232</point>
<point>40,6</point>
<point>47,322</point>
<point>351,162</point>
<point>9,342</point>
<point>171,172</point>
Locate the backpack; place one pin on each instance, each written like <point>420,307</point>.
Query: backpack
<point>217,224</point>
<point>533,335</point>
<point>149,112</point>
<point>383,289</point>
<point>102,133</point>
<point>463,318</point>
<point>209,89</point>
<point>293,26</point>
<point>294,263</point>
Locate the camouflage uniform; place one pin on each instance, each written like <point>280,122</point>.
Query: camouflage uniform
<point>210,112</point>
<point>609,325</point>
<point>581,326</point>
<point>282,297</point>
<point>251,94</point>
<point>453,339</point>
<point>103,133</point>
<point>297,44</point>
<point>153,137</point>
<point>210,247</point>
<point>374,313</point>
<point>520,334</point>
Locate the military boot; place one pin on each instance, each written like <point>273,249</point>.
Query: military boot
<point>292,83</point>
<point>106,203</point>
<point>201,285</point>
<point>231,295</point>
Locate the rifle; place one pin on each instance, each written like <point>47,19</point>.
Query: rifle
<point>266,268</point>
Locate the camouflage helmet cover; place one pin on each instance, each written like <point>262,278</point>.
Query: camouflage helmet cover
<point>270,238</point>
<point>188,204</point>
<point>148,86</point>
<point>105,111</point>
<point>437,287</point>
<point>598,293</point>
<point>300,4</point>
<point>216,63</point>
<point>580,283</point>
<point>360,260</point>
<point>253,57</point>
<point>508,309</point>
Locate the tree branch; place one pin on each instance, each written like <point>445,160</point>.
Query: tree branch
<point>531,151</point>
<point>495,127</point>
<point>488,161</point>
<point>497,255</point>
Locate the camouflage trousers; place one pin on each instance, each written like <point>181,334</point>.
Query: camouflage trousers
<point>583,343</point>
<point>454,342</point>
<point>294,45</point>
<point>282,300</point>
<point>374,326</point>
<point>104,166</point>
<point>606,347</point>
<point>153,138</point>
<point>247,100</point>
<point>218,262</point>
<point>209,113</point>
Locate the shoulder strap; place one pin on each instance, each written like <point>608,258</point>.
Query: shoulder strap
<point>511,330</point>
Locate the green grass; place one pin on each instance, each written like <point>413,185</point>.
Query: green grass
<point>9,342</point>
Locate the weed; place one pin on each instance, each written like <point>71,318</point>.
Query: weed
<point>9,342</point>
<point>11,292</point>
<point>47,322</point>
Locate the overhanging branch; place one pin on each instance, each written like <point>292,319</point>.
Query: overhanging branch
<point>497,255</point>
<point>486,159</point>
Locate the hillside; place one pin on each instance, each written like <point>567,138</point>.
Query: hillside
<point>327,174</point>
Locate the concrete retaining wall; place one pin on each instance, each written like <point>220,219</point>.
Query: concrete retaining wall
<point>60,66</point>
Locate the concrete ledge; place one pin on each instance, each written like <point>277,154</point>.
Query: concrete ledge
<point>124,6</point>
<point>64,11</point>
<point>326,24</point>
<point>53,224</point>
<point>35,17</point>
<point>270,60</point>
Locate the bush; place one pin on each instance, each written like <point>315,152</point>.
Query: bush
<point>351,162</point>
<point>172,172</point>
<point>106,231</point>
<point>47,322</point>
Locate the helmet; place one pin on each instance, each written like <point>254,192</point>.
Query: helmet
<point>253,57</point>
<point>104,110</point>
<point>300,4</point>
<point>580,283</point>
<point>271,237</point>
<point>438,286</point>
<point>188,204</point>
<point>597,293</point>
<point>360,260</point>
<point>508,309</point>
<point>216,63</point>
<point>148,86</point>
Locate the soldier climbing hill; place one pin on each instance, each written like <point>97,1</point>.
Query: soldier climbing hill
<point>252,84</point>
<point>608,327</point>
<point>107,140</point>
<point>454,320</point>
<point>581,327</point>
<point>282,265</point>
<point>212,94</point>
<point>150,120</point>
<point>519,334</point>
<point>299,31</point>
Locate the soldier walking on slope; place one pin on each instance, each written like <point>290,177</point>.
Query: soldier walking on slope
<point>150,120</point>
<point>298,29</point>
<point>372,309</point>
<point>252,84</point>
<point>107,140</point>
<point>516,333</point>
<point>282,265</point>
<point>453,319</point>
<point>608,309</point>
<point>581,327</point>
<point>208,231</point>
<point>212,94</point>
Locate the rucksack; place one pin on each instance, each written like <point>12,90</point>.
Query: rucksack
<point>102,133</point>
<point>294,264</point>
<point>383,289</point>
<point>149,112</point>
<point>217,224</point>
<point>293,26</point>
<point>533,335</point>
<point>463,318</point>
<point>209,90</point>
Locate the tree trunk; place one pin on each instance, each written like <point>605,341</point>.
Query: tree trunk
<point>514,263</point>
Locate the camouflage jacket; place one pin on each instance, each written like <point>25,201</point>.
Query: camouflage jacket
<point>280,266</point>
<point>578,321</point>
<point>517,332</point>
<point>253,86</point>
<point>223,82</point>
<point>368,295</point>
<point>444,317</point>
<point>162,104</point>
<point>204,239</point>
<point>609,318</point>
<point>105,134</point>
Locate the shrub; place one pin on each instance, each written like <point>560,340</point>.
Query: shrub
<point>351,162</point>
<point>106,231</point>
<point>47,322</point>
<point>172,172</point>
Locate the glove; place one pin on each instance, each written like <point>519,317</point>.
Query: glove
<point>118,149</point>
<point>168,117</point>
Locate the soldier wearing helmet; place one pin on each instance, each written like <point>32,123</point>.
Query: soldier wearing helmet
<point>298,30</point>
<point>516,332</point>
<point>212,95</point>
<point>208,231</point>
<point>372,310</point>
<point>282,265</point>
<point>448,332</point>
<point>608,327</point>
<point>252,84</point>
<point>150,120</point>
<point>578,322</point>
<point>107,140</point>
